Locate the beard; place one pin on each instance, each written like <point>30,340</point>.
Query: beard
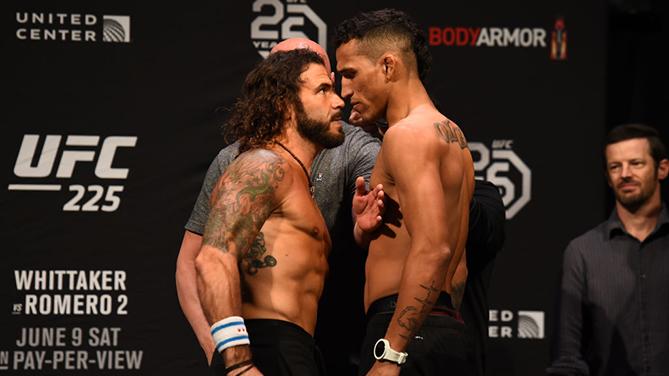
<point>633,201</point>
<point>317,131</point>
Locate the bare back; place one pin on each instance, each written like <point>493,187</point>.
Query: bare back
<point>427,173</point>
<point>282,273</point>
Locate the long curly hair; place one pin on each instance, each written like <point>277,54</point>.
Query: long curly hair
<point>270,90</point>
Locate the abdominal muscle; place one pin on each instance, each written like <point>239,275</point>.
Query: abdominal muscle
<point>385,264</point>
<point>290,290</point>
<point>388,255</point>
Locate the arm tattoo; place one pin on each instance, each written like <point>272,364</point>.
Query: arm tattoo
<point>409,317</point>
<point>450,133</point>
<point>407,320</point>
<point>244,200</point>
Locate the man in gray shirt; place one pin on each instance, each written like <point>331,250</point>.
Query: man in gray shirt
<point>614,302</point>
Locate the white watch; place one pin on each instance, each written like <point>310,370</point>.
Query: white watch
<point>383,351</point>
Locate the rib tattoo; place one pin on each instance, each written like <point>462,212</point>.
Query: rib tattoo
<point>254,259</point>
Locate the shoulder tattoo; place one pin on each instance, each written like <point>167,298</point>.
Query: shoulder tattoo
<point>243,201</point>
<point>450,132</point>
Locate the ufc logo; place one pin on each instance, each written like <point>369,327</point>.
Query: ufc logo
<point>69,158</point>
<point>502,167</point>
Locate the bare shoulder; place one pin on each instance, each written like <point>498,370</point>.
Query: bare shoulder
<point>256,172</point>
<point>449,132</point>
<point>254,161</point>
<point>409,142</point>
<point>424,130</point>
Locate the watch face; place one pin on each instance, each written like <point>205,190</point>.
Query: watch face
<point>379,349</point>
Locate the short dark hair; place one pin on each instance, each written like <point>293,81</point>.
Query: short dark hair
<point>270,90</point>
<point>635,130</point>
<point>376,27</point>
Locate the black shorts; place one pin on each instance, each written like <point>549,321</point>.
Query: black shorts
<point>279,348</point>
<point>439,348</point>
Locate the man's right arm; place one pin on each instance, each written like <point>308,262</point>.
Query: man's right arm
<point>190,247</point>
<point>243,199</point>
<point>186,278</point>
<point>569,357</point>
<point>424,203</point>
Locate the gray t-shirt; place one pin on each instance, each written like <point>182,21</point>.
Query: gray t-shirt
<point>333,174</point>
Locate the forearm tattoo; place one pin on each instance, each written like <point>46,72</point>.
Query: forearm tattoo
<point>411,316</point>
<point>243,200</point>
<point>450,133</point>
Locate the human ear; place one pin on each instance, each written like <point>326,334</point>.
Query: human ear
<point>663,169</point>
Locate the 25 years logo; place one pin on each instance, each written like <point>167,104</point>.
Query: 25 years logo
<point>277,20</point>
<point>36,160</point>
<point>502,167</point>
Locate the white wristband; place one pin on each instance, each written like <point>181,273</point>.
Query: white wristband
<point>229,332</point>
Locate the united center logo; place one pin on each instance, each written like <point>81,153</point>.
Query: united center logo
<point>72,27</point>
<point>520,324</point>
<point>502,167</point>
<point>531,324</point>
<point>277,20</point>
<point>116,29</point>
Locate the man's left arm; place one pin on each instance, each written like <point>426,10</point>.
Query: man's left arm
<point>361,153</point>
<point>361,157</point>
<point>424,203</point>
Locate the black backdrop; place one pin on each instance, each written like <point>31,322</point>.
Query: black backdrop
<point>150,100</point>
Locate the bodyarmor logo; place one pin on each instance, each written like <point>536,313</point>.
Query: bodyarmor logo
<point>462,36</point>
<point>506,170</point>
<point>33,166</point>
<point>116,29</point>
<point>278,20</point>
<point>559,41</point>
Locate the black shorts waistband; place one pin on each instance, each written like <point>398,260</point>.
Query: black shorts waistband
<point>271,330</point>
<point>443,306</point>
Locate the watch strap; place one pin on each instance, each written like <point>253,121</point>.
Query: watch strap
<point>391,355</point>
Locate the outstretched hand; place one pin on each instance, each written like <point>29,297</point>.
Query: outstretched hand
<point>367,207</point>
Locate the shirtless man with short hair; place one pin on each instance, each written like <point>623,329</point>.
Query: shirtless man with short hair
<point>265,245</point>
<point>416,269</point>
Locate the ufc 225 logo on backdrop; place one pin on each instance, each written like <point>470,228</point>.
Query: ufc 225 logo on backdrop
<point>502,167</point>
<point>43,160</point>
<point>277,20</point>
